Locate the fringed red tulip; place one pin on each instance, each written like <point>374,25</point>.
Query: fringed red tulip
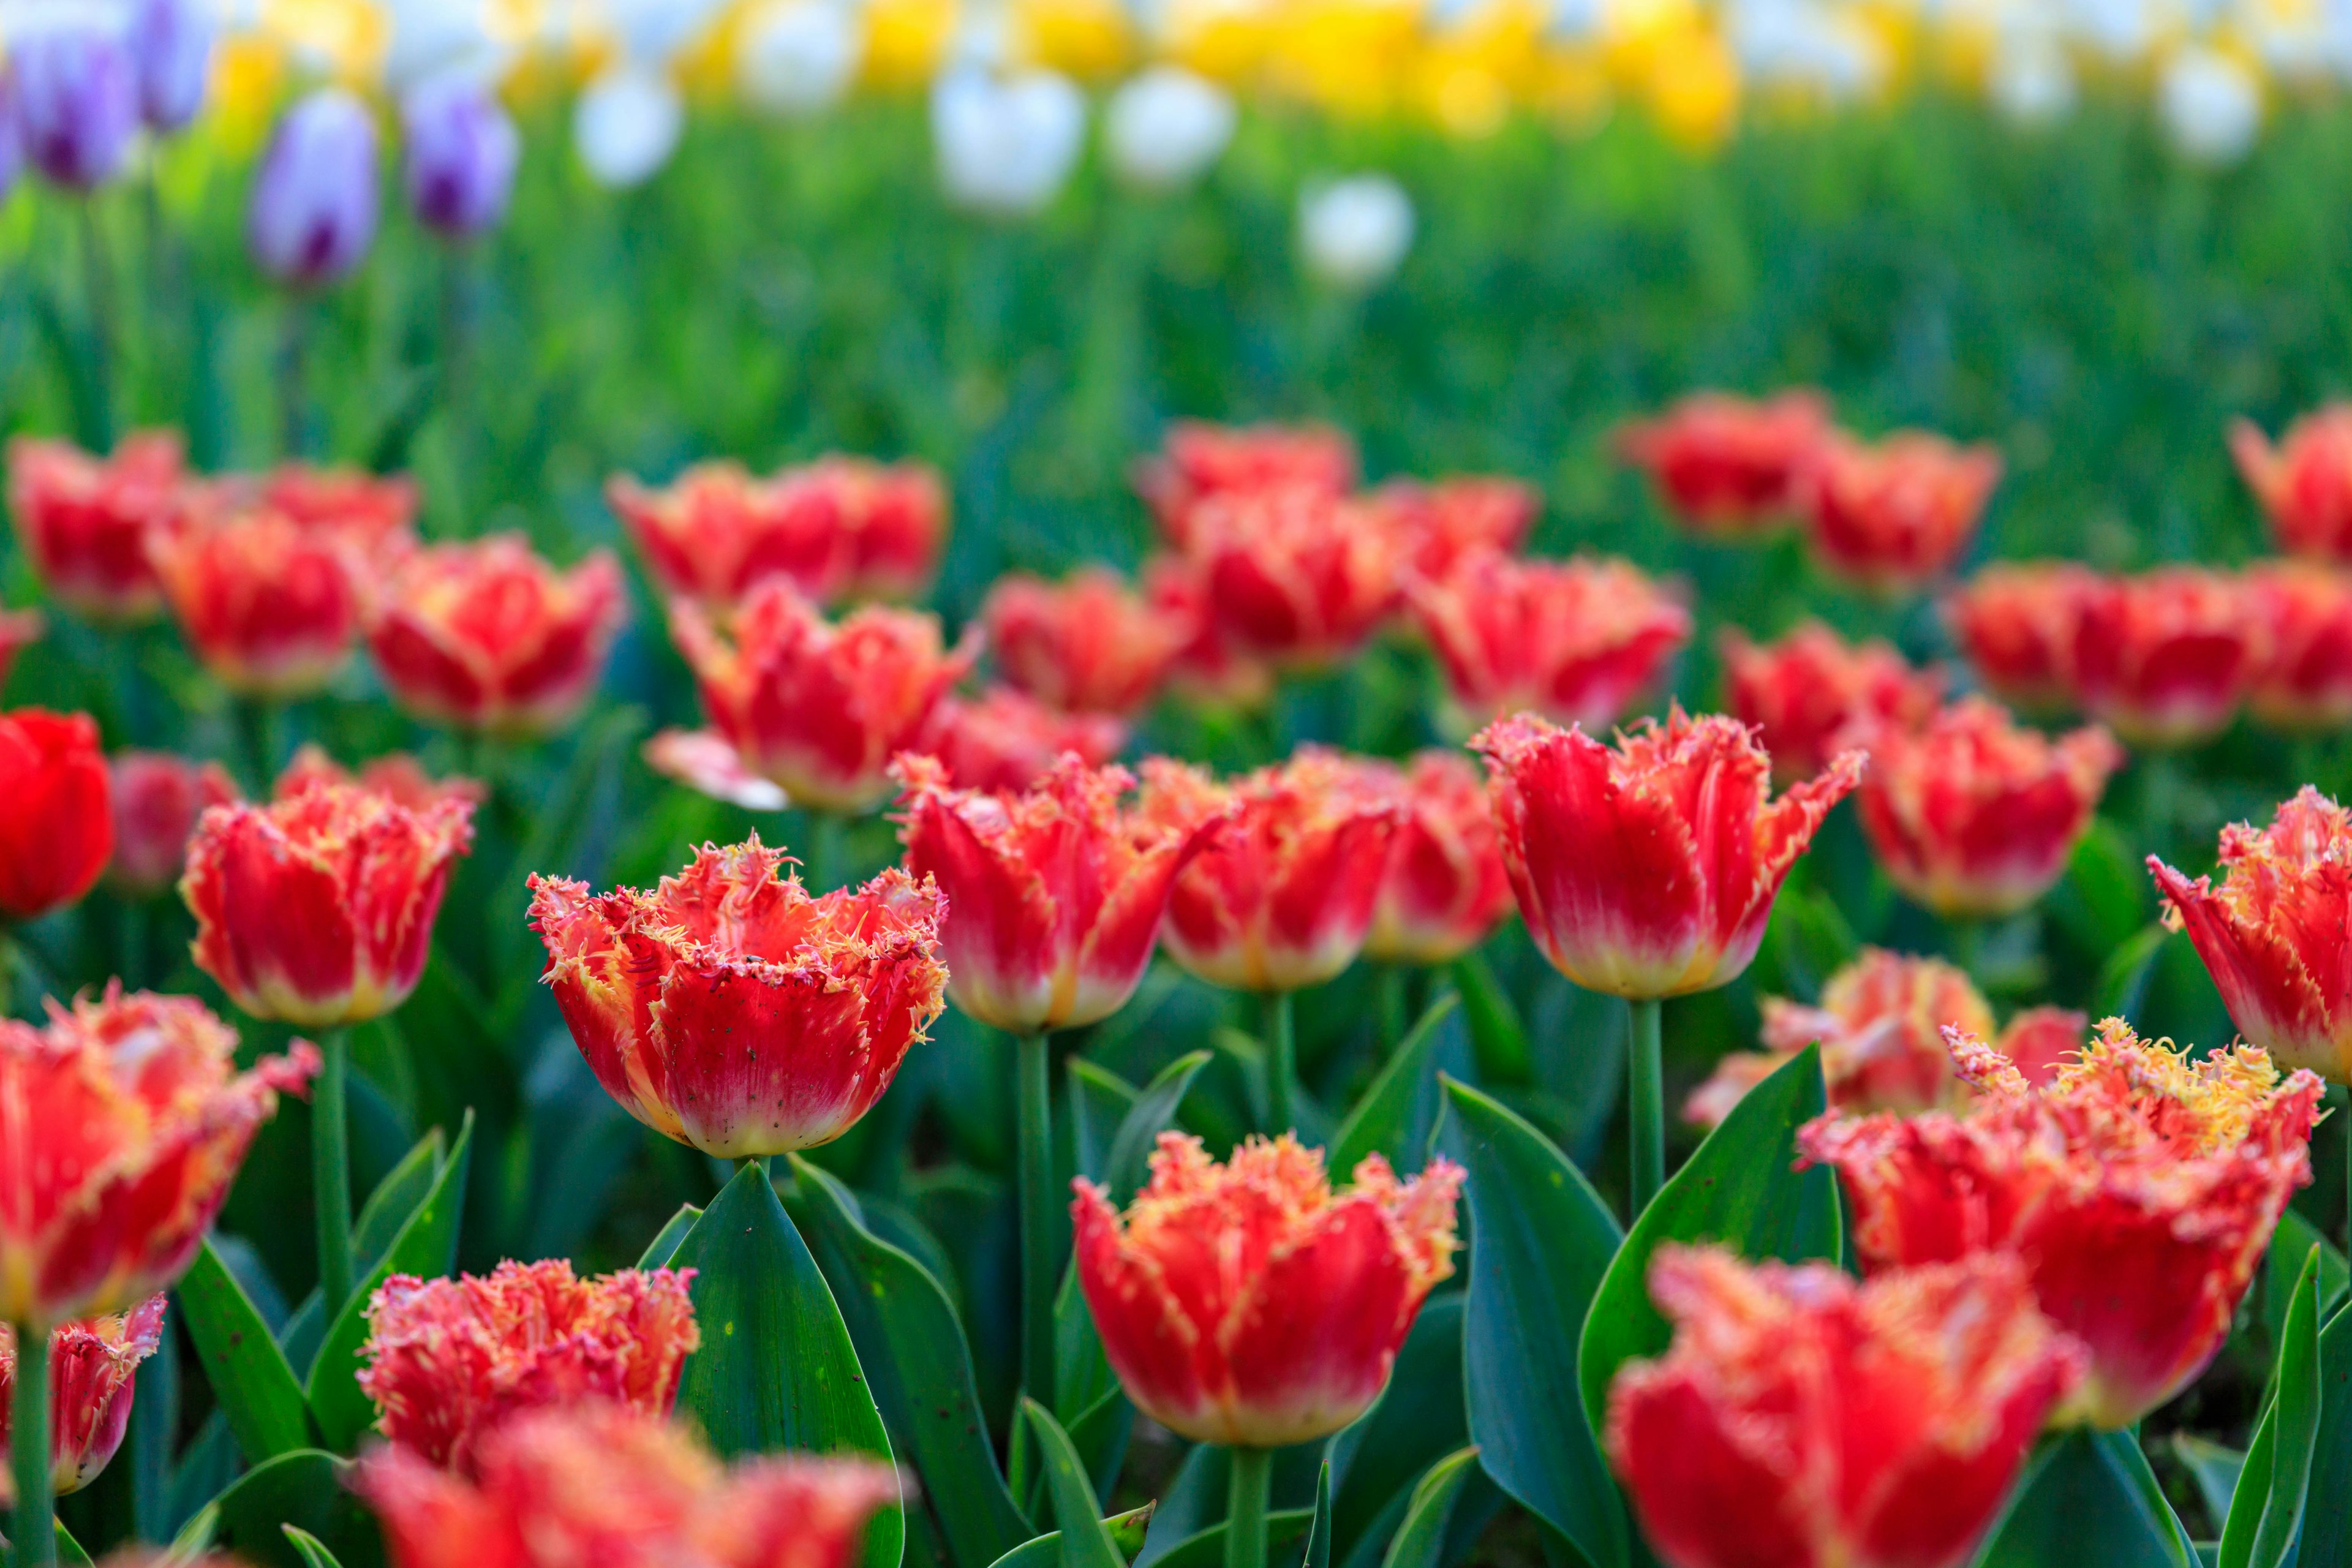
<point>1445,890</point>
<point>1802,693</point>
<point>1896,517</point>
<point>1208,666</point>
<point>1727,466</point>
<point>2139,1186</point>
<point>2304,685</point>
<point>157,799</point>
<point>1089,643</point>
<point>1973,816</point>
<point>2164,659</point>
<point>1249,1304</point>
<point>896,517</point>
<point>1053,897</point>
<point>2017,623</point>
<point>1003,740</point>
<point>2039,1041</point>
<point>1442,523</point>
<point>2304,483</point>
<point>398,776</point>
<point>1648,870</point>
<point>450,1361</point>
<point>85,521</point>
<point>736,1013</point>
<point>1295,576</point>
<point>1804,1420</point>
<point>19,629</point>
<point>715,533</point>
<point>91,1364</point>
<point>57,828</point>
<point>374,513</point>
<point>1199,460</point>
<point>273,606</point>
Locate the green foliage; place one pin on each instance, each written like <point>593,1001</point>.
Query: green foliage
<point>248,1374</point>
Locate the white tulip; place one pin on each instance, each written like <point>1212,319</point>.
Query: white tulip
<point>1006,146</point>
<point>655,30</point>
<point>1164,128</point>
<point>626,124</point>
<point>430,38</point>
<point>2031,79</point>
<point>1355,232</point>
<point>798,56</point>
<point>1803,44</point>
<point>2210,105</point>
<point>2120,30</point>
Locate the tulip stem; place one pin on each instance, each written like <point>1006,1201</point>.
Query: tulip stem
<point>28,1451</point>
<point>1645,1104</point>
<point>1253,1478</point>
<point>330,1169</point>
<point>1281,1062</point>
<point>98,291</point>
<point>1034,1169</point>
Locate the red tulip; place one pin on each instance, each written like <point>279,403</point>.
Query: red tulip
<point>157,798</point>
<point>2016,621</point>
<point>398,776</point>
<point>1200,461</point>
<point>271,605</point>
<point>2039,1041</point>
<point>449,1361</point>
<point>897,515</point>
<point>816,708</point>
<point>490,636</point>
<point>2304,483</point>
<point>57,828</point>
<point>1445,890</point>
<point>1208,665</point>
<point>2165,657</point>
<point>128,1121</point>
<point>1090,644</point>
<point>2140,1187</point>
<point>1053,897</point>
<point>1576,641</point>
<point>1248,1303</point>
<point>715,533</point>
<point>607,1486</point>
<point>1005,741</point>
<point>1445,523</point>
<point>1802,693</point>
<point>374,513</point>
<point>735,1013</point>
<point>1804,1420</point>
<point>317,908</point>
<point>1649,870</point>
<point>91,1364</point>
<point>1973,816</point>
<point>85,521</point>
<point>19,629</point>
<point>1285,898</point>
<point>1727,466</point>
<point>1894,517</point>
<point>1296,576</point>
<point>2306,681</point>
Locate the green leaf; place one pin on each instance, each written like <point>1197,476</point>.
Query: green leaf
<point>250,1377</point>
<point>1740,1190</point>
<point>1421,1541</point>
<point>919,1369</point>
<point>2291,1243</point>
<point>314,1551</point>
<point>663,1246</point>
<point>396,1197</point>
<point>426,1246</point>
<point>1085,1543</point>
<point>1496,1034</point>
<point>2214,1469</point>
<point>2266,1510</point>
<point>306,1489</point>
<point>2088,1498</point>
<point>1154,1111</point>
<point>1381,1121</point>
<point>1126,1532</point>
<point>1541,1246</point>
<point>1286,1528</point>
<point>1098,1100</point>
<point>2122,979</point>
<point>196,1537</point>
<point>1319,1534</point>
<point>2327,1531</point>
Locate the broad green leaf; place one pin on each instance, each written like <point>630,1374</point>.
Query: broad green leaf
<point>1318,1533</point>
<point>2088,1498</point>
<point>387,1208</point>
<point>1417,1420</point>
<point>1126,1532</point>
<point>1740,1190</point>
<point>314,1551</point>
<point>306,1489</point>
<point>1497,1033</point>
<point>1421,1541</point>
<point>912,1349</point>
<point>426,1246</point>
<point>1541,1246</point>
<point>2266,1510</point>
<point>1286,1530</point>
<point>2328,1530</point>
<point>250,1378</point>
<point>1154,1112</point>
<point>663,1246</point>
<point>1095,1100</point>
<point>1086,1543</point>
<point>2213,1468</point>
<point>1382,1120</point>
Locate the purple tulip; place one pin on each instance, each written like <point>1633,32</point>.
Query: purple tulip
<point>314,198</point>
<point>459,154</point>
<point>12,138</point>
<point>77,101</point>
<point>172,50</point>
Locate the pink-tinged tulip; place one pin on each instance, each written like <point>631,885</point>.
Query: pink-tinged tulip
<point>2304,483</point>
<point>609,1487</point>
<point>2139,1186</point>
<point>157,799</point>
<point>490,636</point>
<point>1445,890</point>
<point>91,1364</point>
<point>1295,576</point>
<point>1802,693</point>
<point>1727,466</point>
<point>2277,935</point>
<point>715,533</point>
<point>896,515</point>
<point>703,761</point>
<point>2017,623</point>
<point>19,629</point>
<point>1199,460</point>
<point>1285,898</point>
<point>398,776</point>
<point>1249,1304</point>
<point>819,709</point>
<point>1005,741</point>
<point>1089,643</point>
<point>1648,870</point>
<point>736,1013</point>
<point>272,606</point>
<point>2304,685</point>
<point>1576,641</point>
<point>317,908</point>
<point>1208,665</point>
<point>1443,523</point>
<point>1804,1420</point>
<point>84,521</point>
<point>2165,659</point>
<point>127,1121</point>
<point>57,828</point>
<point>1053,897</point>
<point>1896,517</point>
<point>449,1361</point>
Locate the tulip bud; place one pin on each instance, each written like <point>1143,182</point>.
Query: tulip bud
<point>459,148</point>
<point>91,1364</point>
<point>1006,147</point>
<point>76,100</point>
<point>171,47</point>
<point>1166,127</point>
<point>314,204</point>
<point>626,124</point>
<point>57,828</point>
<point>1354,233</point>
<point>797,57</point>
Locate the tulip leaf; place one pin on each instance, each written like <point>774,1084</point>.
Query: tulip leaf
<point>2291,1243</point>
<point>2327,1531</point>
<point>1740,1190</point>
<point>403,1187</point>
<point>663,1246</point>
<point>251,1380</point>
<point>1382,1122</point>
<point>1097,1100</point>
<point>1154,1111</point>
<point>1086,1543</point>
<point>426,1246</point>
<point>1420,1541</point>
<point>1286,1529</point>
<point>314,1551</point>
<point>2088,1498</point>
<point>1497,1035</point>
<point>2266,1510</point>
<point>2214,1469</point>
<point>919,1369</point>
<point>1318,1533</point>
<point>1541,1241</point>
<point>309,1489</point>
<point>1417,1420</point>
<point>1126,1532</point>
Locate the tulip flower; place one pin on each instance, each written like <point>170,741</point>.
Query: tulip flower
<point>737,1014</point>
<point>19,629</point>
<point>2304,684</point>
<point>374,513</point>
<point>57,827</point>
<point>458,153</point>
<point>797,59</point>
<point>157,798</point>
<point>896,516</point>
<point>1576,641</point>
<point>1894,517</point>
<point>2209,103</point>
<point>2165,657</point>
<point>1727,466</point>
<point>1166,127</point>
<point>2139,1187</point>
<point>1208,666</point>
<point>488,635</point>
<point>1198,460</point>
<point>704,762</point>
<point>1090,644</point>
<point>85,521</point>
<point>2304,483</point>
<point>314,207</point>
<point>449,1361</point>
<point>272,608</point>
<point>1353,234</point>
<point>1802,1418</point>
<point>397,776</point>
<point>1802,693</point>
<point>2039,1041</point>
<point>77,98</point>
<point>2017,623</point>
<point>91,1364</point>
<point>1005,741</point>
<point>607,1485</point>
<point>1294,576</point>
<point>819,709</point>
<point>171,53</point>
<point>715,533</point>
<point>1445,890</point>
<point>625,125</point>
<point>1973,816</point>
<point>1447,522</point>
<point>1005,148</point>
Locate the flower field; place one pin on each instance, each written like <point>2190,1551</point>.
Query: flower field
<point>1304,786</point>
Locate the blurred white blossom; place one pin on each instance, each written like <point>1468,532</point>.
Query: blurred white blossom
<point>437,37</point>
<point>1164,128</point>
<point>626,124</point>
<point>1354,233</point>
<point>2031,79</point>
<point>798,56</point>
<point>1005,145</point>
<point>655,30</point>
<point>2210,105</point>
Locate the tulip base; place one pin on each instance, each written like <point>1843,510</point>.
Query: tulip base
<point>28,1450</point>
<point>330,1169</point>
<point>1033,1173</point>
<point>1252,1480</point>
<point>1645,1104</point>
